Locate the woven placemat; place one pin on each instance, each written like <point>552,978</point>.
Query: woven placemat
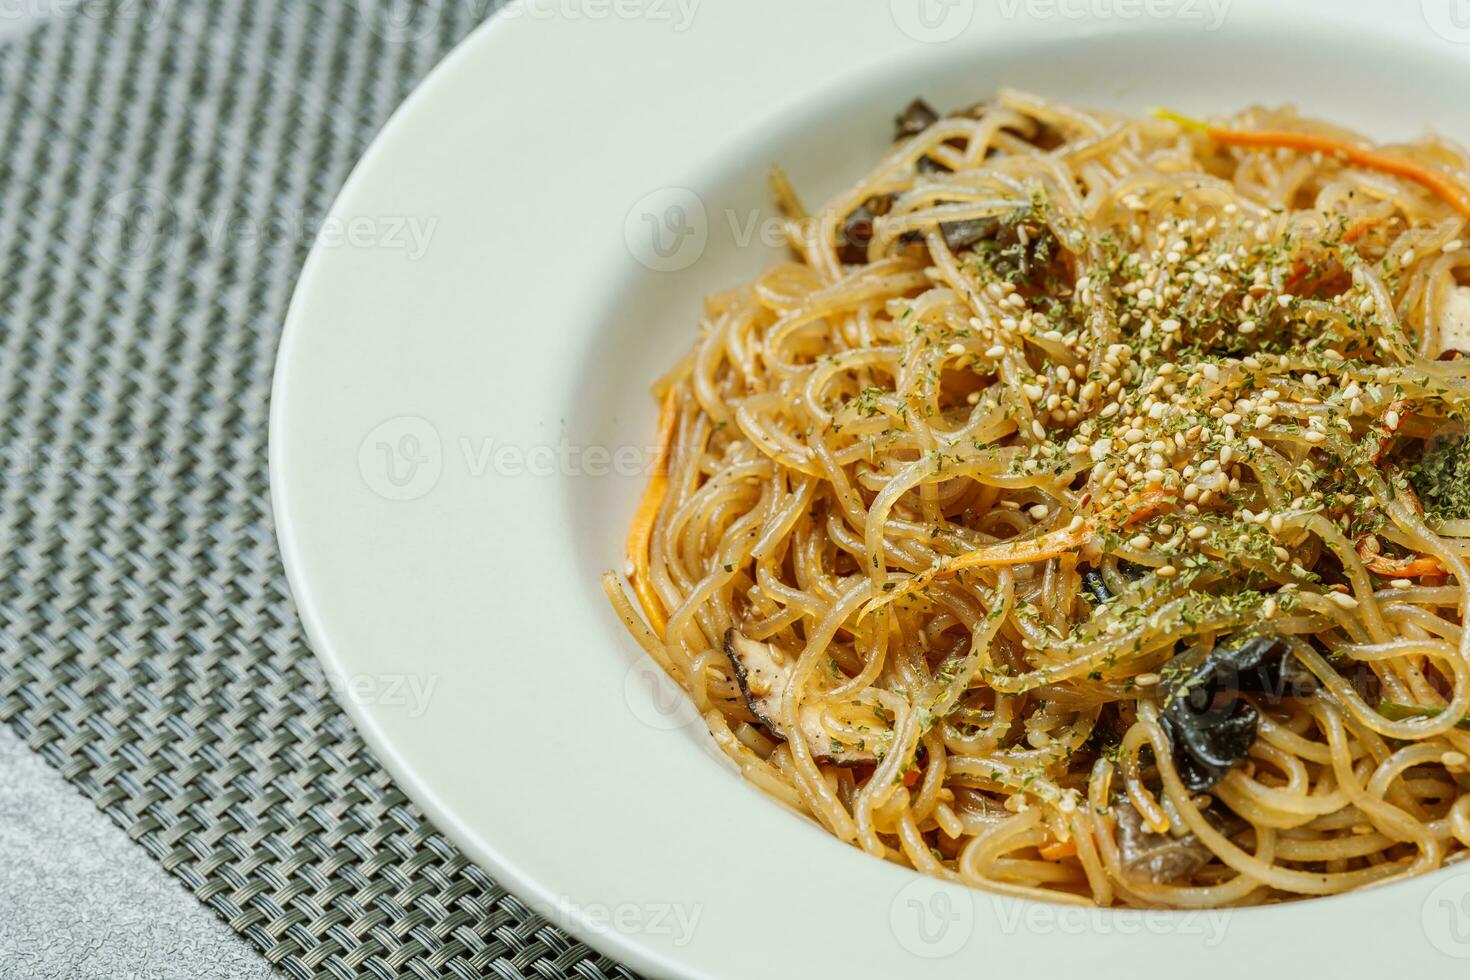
<point>163,165</point>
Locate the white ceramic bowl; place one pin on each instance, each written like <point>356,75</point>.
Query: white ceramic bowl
<point>461,414</point>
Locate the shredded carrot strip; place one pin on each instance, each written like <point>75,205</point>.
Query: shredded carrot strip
<point>1385,567</point>
<point>1057,850</point>
<point>1129,511</point>
<point>1433,180</point>
<point>1418,568</point>
<point>1299,268</point>
<point>642,528</point>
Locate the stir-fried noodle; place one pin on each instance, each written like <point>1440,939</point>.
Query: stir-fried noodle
<point>1083,512</point>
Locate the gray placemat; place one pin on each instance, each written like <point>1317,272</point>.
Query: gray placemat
<point>162,167</point>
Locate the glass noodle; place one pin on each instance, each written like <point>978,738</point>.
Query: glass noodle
<point>1054,421</point>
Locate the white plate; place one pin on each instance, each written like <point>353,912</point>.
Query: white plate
<point>472,345</point>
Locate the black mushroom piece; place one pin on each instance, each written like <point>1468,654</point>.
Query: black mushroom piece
<point>762,672</point>
<point>1157,858</point>
<point>1097,586</point>
<point>1092,581</point>
<point>916,117</point>
<point>967,232</point>
<point>960,234</point>
<point>761,676</point>
<point>1210,726</point>
<point>857,229</point>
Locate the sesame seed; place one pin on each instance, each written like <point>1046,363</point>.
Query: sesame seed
<point>1149,679</point>
<point>1343,600</point>
<point>1167,571</point>
<point>1140,542</point>
<point>1039,512</point>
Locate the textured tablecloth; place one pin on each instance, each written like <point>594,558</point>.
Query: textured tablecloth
<point>163,164</point>
<point>82,902</point>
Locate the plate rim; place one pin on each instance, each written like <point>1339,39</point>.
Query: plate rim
<point>506,870</point>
